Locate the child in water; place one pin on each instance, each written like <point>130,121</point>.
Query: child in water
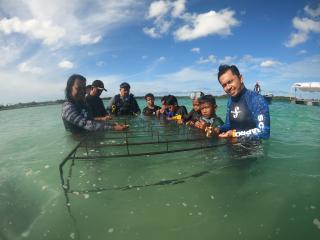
<point>176,112</point>
<point>195,114</point>
<point>209,121</point>
<point>150,109</point>
<point>163,111</point>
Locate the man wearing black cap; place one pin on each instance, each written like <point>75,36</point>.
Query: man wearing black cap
<point>94,102</point>
<point>124,103</point>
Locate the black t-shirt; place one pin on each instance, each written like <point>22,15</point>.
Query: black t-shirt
<point>181,110</point>
<point>193,116</point>
<point>150,112</point>
<point>96,106</point>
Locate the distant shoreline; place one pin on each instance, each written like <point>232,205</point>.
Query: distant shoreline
<point>60,101</point>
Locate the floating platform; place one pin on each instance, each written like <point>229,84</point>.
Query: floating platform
<point>309,102</point>
<point>268,97</point>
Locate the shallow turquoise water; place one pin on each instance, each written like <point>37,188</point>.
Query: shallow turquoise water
<point>273,193</point>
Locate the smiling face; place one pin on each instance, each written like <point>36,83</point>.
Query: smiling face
<point>78,90</point>
<point>207,109</point>
<point>232,84</point>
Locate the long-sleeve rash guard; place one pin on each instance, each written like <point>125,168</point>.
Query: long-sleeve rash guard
<point>248,114</point>
<point>77,119</point>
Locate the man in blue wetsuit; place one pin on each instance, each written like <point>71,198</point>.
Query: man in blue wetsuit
<point>247,111</point>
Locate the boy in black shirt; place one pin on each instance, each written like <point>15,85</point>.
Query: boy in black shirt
<point>150,109</point>
<point>177,113</point>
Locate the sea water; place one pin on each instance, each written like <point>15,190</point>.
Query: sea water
<point>267,192</point>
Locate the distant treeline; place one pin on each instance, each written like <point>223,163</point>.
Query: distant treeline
<point>60,101</point>
<point>29,104</point>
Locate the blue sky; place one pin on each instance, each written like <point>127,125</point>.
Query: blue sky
<point>166,46</point>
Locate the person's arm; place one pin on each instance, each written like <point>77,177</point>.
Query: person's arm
<point>184,112</point>
<point>226,126</point>
<point>136,108</point>
<point>104,118</point>
<point>72,115</point>
<point>260,111</point>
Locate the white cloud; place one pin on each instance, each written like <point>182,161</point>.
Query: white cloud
<point>304,27</point>
<point>195,50</point>
<point>87,39</point>
<point>65,64</point>
<point>178,8</point>
<point>151,32</point>
<point>26,68</point>
<point>50,21</point>
<point>210,59</point>
<point>296,38</point>
<point>228,60</point>
<point>269,63</point>
<point>162,58</point>
<point>188,74</point>
<point>42,30</point>
<point>312,12</point>
<point>302,52</point>
<point>209,23</point>
<point>34,87</point>
<point>101,64</point>
<point>158,9</point>
<point>9,53</point>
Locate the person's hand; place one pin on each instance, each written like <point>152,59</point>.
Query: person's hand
<point>216,130</point>
<point>210,131</point>
<point>200,124</point>
<point>120,127</point>
<point>228,134</point>
<point>108,117</point>
<point>159,112</point>
<point>190,123</point>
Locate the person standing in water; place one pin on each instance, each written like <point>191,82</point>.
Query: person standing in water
<point>247,111</point>
<point>257,87</point>
<point>75,115</point>
<point>124,103</point>
<point>151,108</point>
<point>95,103</point>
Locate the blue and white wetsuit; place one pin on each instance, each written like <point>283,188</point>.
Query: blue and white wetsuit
<point>248,114</point>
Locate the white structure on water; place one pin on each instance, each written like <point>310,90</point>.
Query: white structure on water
<point>307,93</point>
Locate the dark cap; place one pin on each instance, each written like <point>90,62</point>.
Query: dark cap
<point>124,85</point>
<point>99,84</point>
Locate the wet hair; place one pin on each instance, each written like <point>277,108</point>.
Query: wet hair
<point>208,99</point>
<point>70,83</point>
<point>224,68</point>
<point>172,100</point>
<point>164,99</point>
<point>150,95</point>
